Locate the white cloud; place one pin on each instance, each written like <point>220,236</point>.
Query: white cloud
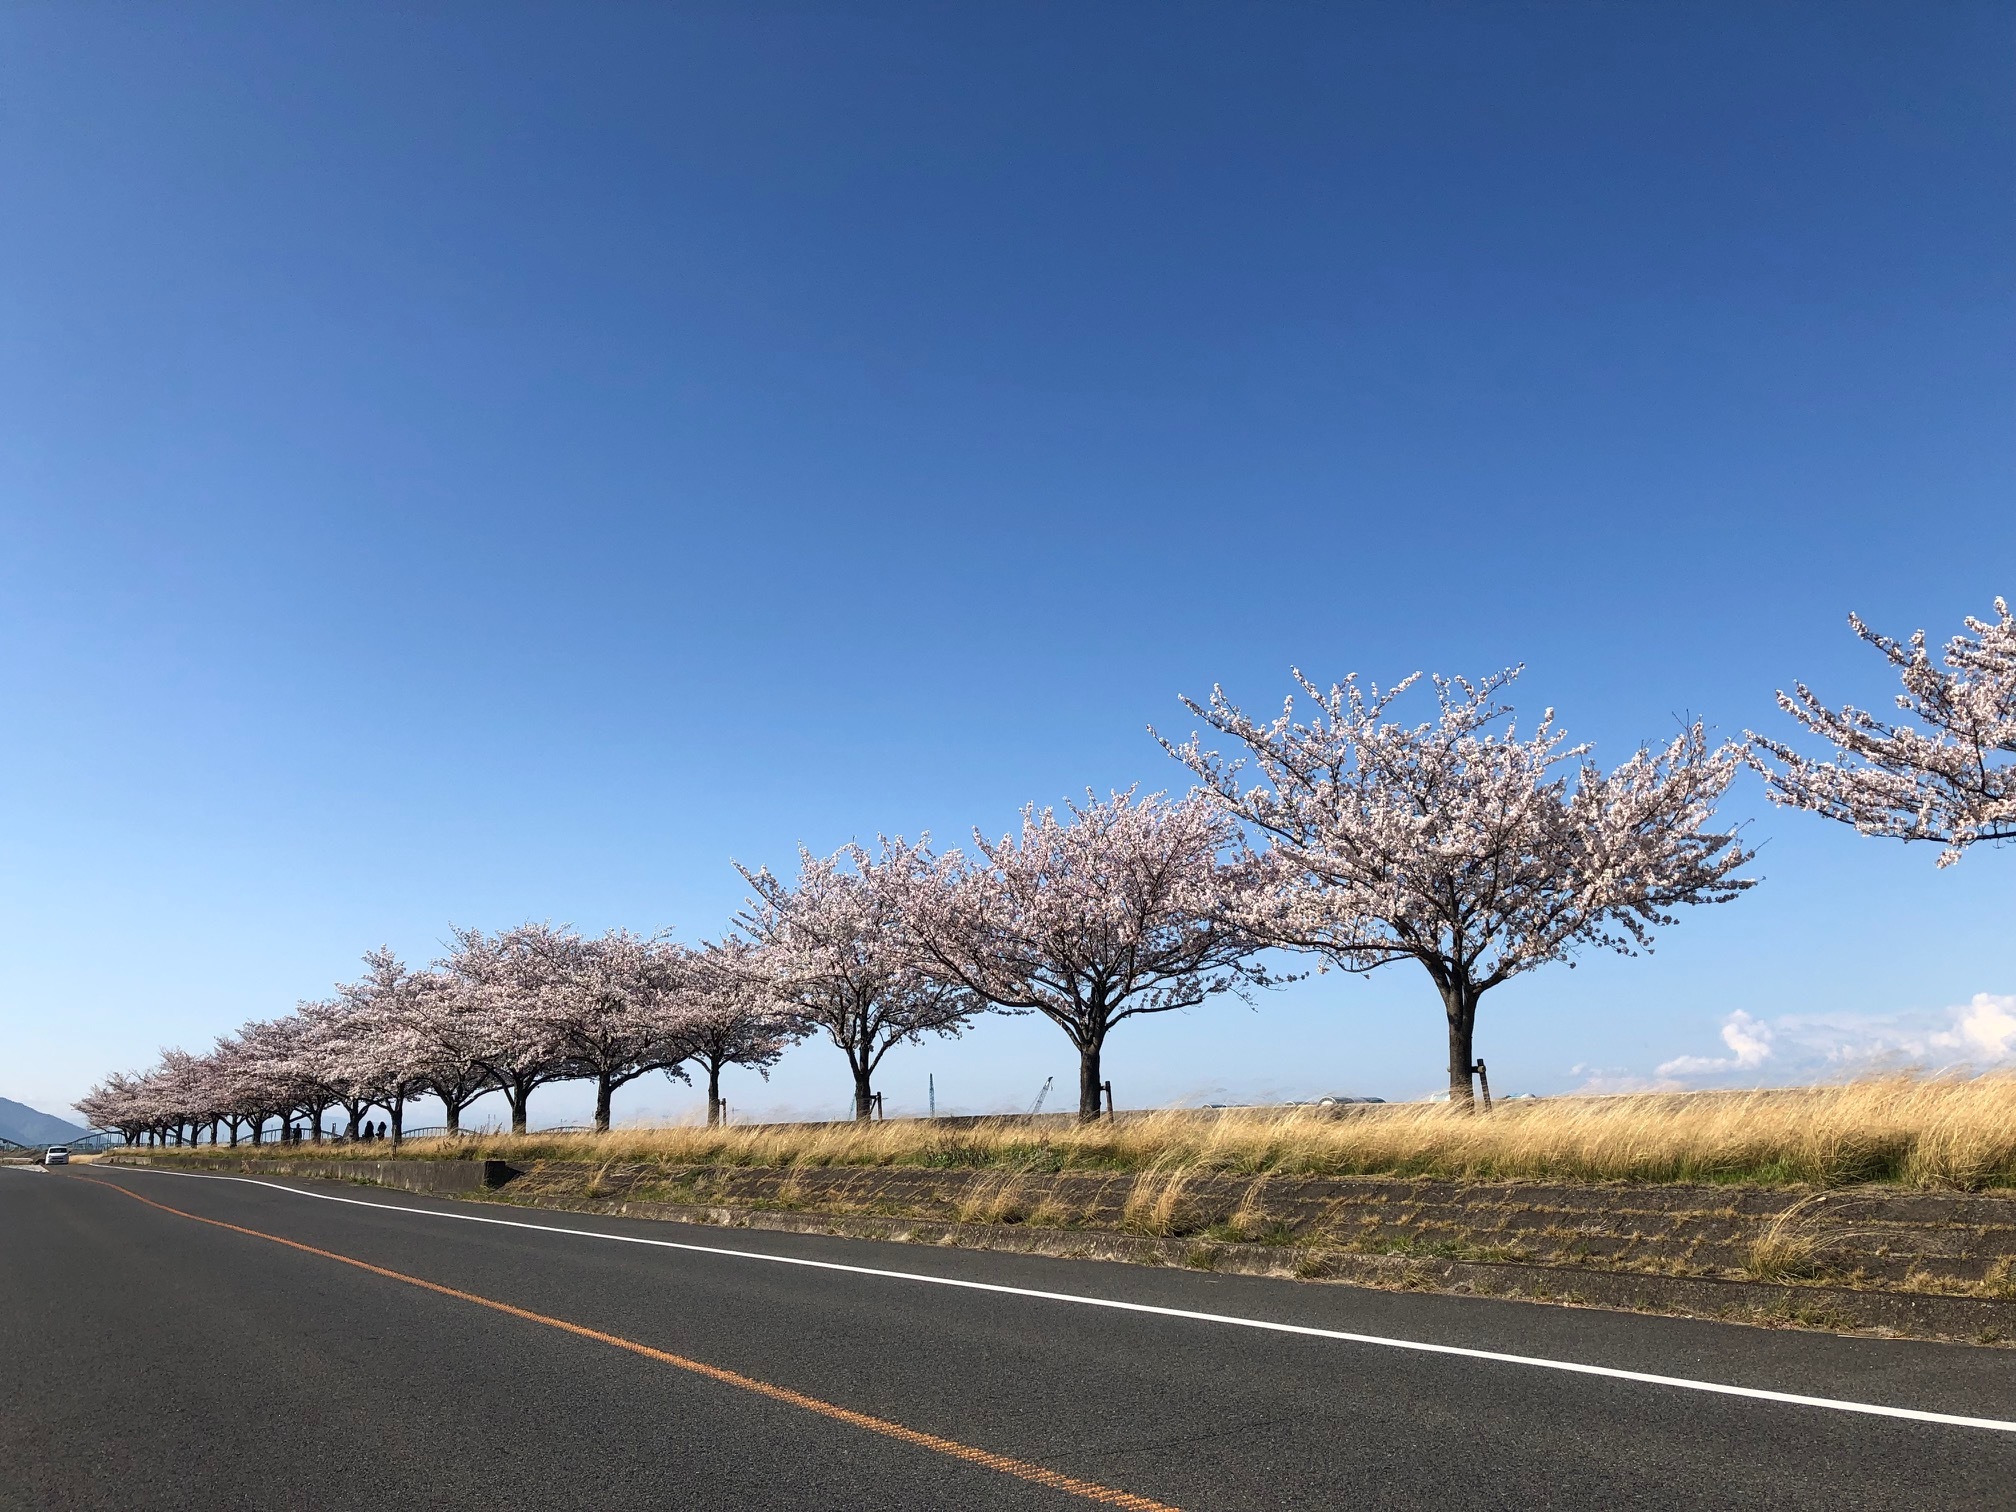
<point>1749,1042</point>
<point>1989,1025</point>
<point>1978,1033</point>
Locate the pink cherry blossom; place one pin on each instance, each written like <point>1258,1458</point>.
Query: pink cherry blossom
<point>1947,777</point>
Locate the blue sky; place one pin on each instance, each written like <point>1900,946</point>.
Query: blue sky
<point>473,463</point>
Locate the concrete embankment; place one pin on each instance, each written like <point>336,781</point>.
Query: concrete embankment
<point>448,1178</point>
<point>1925,1264</point>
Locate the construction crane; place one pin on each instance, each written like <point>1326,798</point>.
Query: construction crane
<point>1037,1106</point>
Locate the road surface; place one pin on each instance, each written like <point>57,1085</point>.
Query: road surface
<point>183,1341</point>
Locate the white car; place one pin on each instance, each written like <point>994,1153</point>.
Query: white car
<point>55,1155</point>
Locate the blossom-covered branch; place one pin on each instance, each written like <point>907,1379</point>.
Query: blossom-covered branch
<point>1950,776</point>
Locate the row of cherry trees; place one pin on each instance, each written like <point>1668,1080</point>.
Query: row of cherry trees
<point>1348,835</point>
<point>508,1013</point>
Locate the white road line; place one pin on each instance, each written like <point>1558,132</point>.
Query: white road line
<point>1683,1383</point>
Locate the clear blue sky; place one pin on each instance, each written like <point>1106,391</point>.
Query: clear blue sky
<point>463,463</point>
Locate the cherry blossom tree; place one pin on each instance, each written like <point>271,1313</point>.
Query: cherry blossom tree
<point>118,1102</point>
<point>1949,776</point>
<point>1459,845</point>
<point>507,987</point>
<point>178,1086</point>
<point>148,1106</point>
<point>286,1082</point>
<point>335,1054</point>
<point>1122,909</point>
<point>612,1004</point>
<point>730,1015</point>
<point>386,1058</point>
<point>233,1077</point>
<point>843,959</point>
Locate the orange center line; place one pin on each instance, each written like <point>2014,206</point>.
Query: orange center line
<point>986,1459</point>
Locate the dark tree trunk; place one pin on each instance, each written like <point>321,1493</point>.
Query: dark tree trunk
<point>1088,1081</point>
<point>714,1094</point>
<point>518,1096</point>
<point>1460,1001</point>
<point>603,1092</point>
<point>864,1095</point>
<point>398,1120</point>
<point>258,1130</point>
<point>454,1116</point>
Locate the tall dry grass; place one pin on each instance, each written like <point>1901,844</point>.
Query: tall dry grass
<point>1915,1131</point>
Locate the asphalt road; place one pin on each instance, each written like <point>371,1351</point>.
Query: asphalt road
<point>148,1360</point>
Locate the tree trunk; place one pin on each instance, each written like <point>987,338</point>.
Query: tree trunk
<point>714,1094</point>
<point>1461,1004</point>
<point>258,1130</point>
<point>864,1095</point>
<point>1088,1081</point>
<point>398,1120</point>
<point>603,1092</point>
<point>454,1117</point>
<point>518,1097</point>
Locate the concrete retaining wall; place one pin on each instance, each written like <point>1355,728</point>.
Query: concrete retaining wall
<point>446,1176</point>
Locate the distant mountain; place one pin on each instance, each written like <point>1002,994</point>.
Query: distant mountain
<point>24,1125</point>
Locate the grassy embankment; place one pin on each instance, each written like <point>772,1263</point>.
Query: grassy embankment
<point>1935,1133</point>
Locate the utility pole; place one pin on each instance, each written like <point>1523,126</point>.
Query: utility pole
<point>931,1082</point>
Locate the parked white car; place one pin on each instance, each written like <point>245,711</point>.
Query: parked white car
<point>56,1155</point>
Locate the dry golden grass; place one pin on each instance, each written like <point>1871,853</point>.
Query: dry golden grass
<point>1916,1131</point>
